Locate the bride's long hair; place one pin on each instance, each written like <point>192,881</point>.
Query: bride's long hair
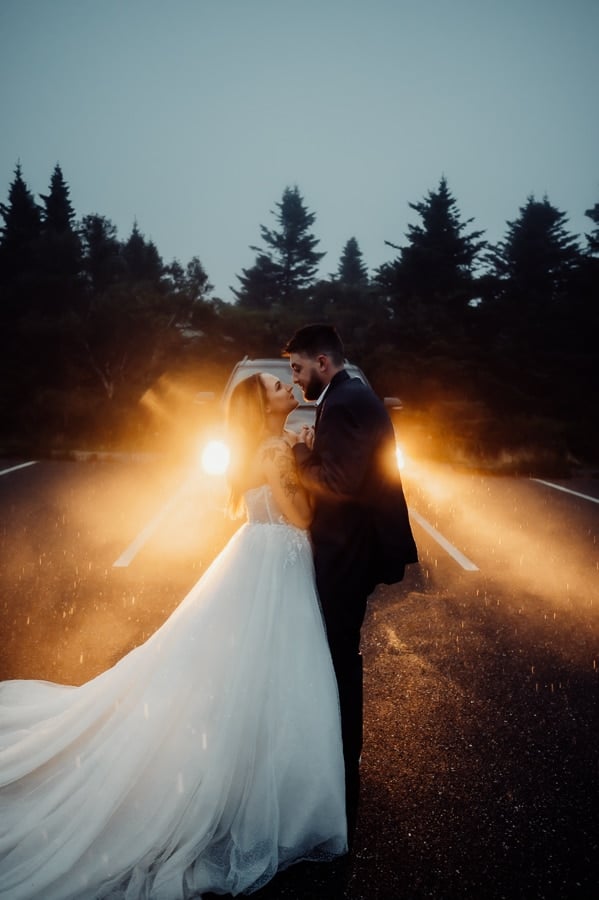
<point>246,425</point>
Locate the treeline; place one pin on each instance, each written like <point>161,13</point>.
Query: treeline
<point>491,347</point>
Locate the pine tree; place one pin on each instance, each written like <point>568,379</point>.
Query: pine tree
<point>428,290</point>
<point>436,267</point>
<point>534,309</point>
<point>352,271</point>
<point>535,261</point>
<point>18,260</point>
<point>260,284</point>
<point>21,231</point>
<point>60,252</point>
<point>285,270</point>
<point>581,335</point>
<point>593,237</point>
<point>59,215</point>
<point>103,262</point>
<point>142,258</point>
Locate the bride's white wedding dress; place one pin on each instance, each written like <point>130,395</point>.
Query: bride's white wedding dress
<point>206,759</point>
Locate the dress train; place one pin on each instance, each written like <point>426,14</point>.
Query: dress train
<point>205,760</point>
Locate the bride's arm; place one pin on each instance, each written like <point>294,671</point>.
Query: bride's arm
<point>280,470</point>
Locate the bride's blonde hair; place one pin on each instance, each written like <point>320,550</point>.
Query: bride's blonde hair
<point>246,424</point>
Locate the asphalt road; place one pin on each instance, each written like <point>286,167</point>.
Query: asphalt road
<point>480,771</point>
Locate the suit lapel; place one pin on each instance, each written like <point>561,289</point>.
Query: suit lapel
<point>318,412</point>
<point>337,379</point>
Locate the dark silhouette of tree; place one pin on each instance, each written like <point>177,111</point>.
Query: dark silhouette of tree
<point>431,283</point>
<point>352,270</point>
<point>579,379</point>
<point>102,262</point>
<point>354,305</point>
<point>133,316</point>
<point>286,269</point>
<point>19,237</point>
<point>59,215</point>
<point>190,291</point>
<point>39,279</point>
<point>90,323</point>
<point>428,289</point>
<point>593,236</point>
<point>191,280</point>
<point>535,261</point>
<point>59,250</point>
<point>21,231</point>
<point>531,315</point>
<point>113,343</point>
<point>141,258</point>
<point>437,264</point>
<point>260,284</point>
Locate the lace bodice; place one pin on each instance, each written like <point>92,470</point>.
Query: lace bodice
<point>262,508</point>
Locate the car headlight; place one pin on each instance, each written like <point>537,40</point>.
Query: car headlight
<point>400,458</point>
<point>215,458</point>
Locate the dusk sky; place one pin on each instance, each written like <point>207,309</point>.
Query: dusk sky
<point>192,116</point>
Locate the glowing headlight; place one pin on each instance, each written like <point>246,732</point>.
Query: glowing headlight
<point>215,458</point>
<point>401,460</point>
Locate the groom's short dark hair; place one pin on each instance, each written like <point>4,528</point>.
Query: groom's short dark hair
<point>312,340</point>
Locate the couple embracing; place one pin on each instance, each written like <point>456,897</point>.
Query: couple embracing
<point>227,746</point>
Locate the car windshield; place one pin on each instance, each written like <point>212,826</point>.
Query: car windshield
<point>281,369</point>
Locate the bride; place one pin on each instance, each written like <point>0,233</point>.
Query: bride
<point>210,756</point>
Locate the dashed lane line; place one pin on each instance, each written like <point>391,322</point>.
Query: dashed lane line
<point>136,545</point>
<point>20,466</point>
<point>559,487</point>
<point>459,557</point>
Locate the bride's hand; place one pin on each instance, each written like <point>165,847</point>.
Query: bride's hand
<point>305,436</point>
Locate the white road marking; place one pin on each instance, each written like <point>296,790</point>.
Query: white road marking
<point>462,560</point>
<point>135,546</point>
<point>559,487</point>
<point>20,466</point>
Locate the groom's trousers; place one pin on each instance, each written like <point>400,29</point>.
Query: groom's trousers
<point>343,608</point>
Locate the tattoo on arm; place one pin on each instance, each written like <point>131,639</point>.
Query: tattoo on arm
<point>285,465</point>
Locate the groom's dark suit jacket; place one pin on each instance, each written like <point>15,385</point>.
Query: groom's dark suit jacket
<point>360,530</point>
<point>361,537</point>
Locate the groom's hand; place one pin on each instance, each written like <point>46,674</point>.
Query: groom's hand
<point>306,436</point>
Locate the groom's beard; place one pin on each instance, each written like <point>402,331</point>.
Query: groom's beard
<point>314,387</point>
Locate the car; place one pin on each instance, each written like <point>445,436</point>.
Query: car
<point>214,451</point>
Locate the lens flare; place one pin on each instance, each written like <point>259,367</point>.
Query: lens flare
<point>400,458</point>
<point>215,458</point>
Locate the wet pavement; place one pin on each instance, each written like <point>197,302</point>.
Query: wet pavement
<point>480,770</point>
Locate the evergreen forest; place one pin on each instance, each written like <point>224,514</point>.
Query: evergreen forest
<point>492,348</point>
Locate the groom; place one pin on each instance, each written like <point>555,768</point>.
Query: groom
<point>360,531</point>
